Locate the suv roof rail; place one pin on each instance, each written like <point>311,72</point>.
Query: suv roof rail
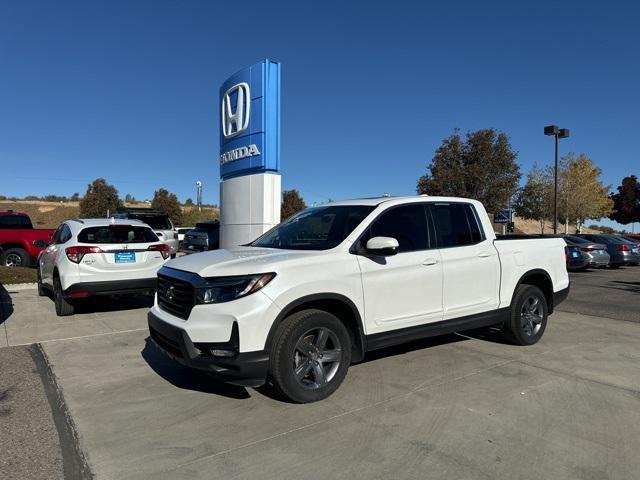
<point>75,220</point>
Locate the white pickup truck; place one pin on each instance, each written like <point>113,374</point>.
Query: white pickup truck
<point>298,305</point>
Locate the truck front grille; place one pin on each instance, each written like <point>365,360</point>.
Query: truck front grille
<point>176,297</point>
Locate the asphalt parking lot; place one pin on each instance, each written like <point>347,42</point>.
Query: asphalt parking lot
<point>461,406</point>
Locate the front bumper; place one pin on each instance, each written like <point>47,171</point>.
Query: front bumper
<point>248,369</point>
<point>113,287</point>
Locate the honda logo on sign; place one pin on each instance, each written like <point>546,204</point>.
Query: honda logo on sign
<point>236,120</point>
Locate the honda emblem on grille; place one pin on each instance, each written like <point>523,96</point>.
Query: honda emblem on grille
<point>169,293</point>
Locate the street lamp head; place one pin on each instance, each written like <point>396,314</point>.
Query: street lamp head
<point>563,133</point>
<point>551,130</point>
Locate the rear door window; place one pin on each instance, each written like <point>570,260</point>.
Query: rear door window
<point>117,234</point>
<point>456,225</point>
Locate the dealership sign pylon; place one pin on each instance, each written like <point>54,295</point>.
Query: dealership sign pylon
<point>249,153</point>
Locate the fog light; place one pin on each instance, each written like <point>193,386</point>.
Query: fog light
<point>222,353</point>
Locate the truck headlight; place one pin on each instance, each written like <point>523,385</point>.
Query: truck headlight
<point>225,289</point>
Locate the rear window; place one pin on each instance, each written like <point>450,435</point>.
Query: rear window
<point>117,234</point>
<point>15,221</point>
<point>158,222</point>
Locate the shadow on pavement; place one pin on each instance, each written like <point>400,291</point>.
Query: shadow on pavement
<point>188,378</point>
<point>6,304</point>
<point>112,304</point>
<point>412,346</point>
<point>633,287</point>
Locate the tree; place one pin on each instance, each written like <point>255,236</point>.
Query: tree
<point>581,194</point>
<point>99,200</point>
<point>482,167</point>
<point>127,198</point>
<point>188,202</point>
<point>168,203</point>
<point>292,203</point>
<point>534,200</point>
<point>75,197</point>
<point>626,203</point>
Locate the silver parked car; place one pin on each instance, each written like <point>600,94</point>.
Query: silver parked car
<point>622,252</point>
<point>596,252</point>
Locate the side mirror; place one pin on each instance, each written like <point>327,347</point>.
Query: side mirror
<point>382,246</point>
<point>39,243</point>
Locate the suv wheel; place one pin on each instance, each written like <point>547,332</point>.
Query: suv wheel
<point>42,291</point>
<point>310,356</point>
<point>15,257</point>
<point>63,308</point>
<point>528,316</point>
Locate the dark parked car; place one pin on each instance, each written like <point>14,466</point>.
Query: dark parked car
<point>576,260</point>
<point>206,236</point>
<point>622,252</point>
<point>597,252</point>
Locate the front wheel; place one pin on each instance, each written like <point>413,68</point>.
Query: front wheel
<point>529,314</point>
<point>310,356</point>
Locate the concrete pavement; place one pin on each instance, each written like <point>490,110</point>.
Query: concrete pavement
<point>462,406</point>
<point>457,407</point>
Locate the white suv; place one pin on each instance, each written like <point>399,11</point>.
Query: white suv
<point>99,257</point>
<point>314,294</point>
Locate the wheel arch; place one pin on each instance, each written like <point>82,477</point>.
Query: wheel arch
<point>539,278</point>
<point>339,305</point>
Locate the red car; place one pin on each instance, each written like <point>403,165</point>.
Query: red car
<point>20,243</point>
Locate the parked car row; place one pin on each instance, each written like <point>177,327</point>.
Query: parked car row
<point>600,250</point>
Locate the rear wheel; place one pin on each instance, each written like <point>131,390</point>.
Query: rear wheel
<point>63,308</point>
<point>42,291</point>
<point>310,356</point>
<point>529,314</point>
<point>14,257</point>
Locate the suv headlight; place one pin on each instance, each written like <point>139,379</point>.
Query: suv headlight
<point>225,289</point>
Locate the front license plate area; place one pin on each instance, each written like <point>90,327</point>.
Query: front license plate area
<point>125,257</point>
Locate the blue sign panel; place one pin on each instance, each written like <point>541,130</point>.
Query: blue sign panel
<point>250,121</point>
<point>503,216</point>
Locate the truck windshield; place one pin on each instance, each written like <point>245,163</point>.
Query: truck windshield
<point>318,228</point>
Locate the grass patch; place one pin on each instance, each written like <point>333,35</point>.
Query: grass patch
<point>11,275</point>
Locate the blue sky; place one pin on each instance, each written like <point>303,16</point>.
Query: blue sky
<point>128,90</point>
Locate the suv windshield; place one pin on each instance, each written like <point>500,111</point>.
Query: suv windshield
<point>318,228</point>
<point>117,234</point>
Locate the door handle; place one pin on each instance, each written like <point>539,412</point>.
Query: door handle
<point>484,254</point>
<point>430,261</point>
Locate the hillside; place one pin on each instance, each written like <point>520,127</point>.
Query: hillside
<point>51,214</point>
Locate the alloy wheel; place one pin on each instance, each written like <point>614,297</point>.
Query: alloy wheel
<point>531,316</point>
<point>316,358</point>
<point>13,260</point>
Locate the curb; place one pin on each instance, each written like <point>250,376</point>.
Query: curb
<point>20,286</point>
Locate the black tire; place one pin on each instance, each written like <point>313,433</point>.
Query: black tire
<point>63,308</point>
<point>529,315</point>
<point>15,257</point>
<point>317,378</point>
<point>42,291</point>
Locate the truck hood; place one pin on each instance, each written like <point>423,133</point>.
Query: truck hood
<point>238,261</point>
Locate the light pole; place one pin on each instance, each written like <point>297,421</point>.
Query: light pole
<point>557,133</point>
